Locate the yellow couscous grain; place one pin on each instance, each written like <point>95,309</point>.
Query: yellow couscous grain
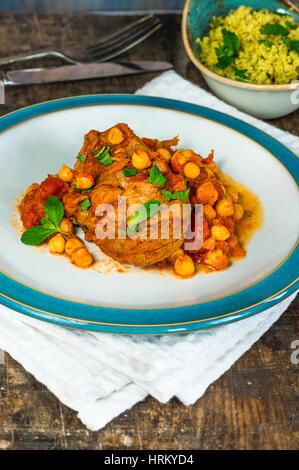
<point>264,64</point>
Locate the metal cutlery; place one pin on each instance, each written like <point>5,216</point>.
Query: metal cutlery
<point>99,51</point>
<point>81,72</point>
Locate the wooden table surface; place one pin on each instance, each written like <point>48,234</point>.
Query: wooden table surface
<point>252,406</point>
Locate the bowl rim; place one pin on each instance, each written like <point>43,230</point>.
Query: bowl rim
<point>14,298</point>
<point>227,81</point>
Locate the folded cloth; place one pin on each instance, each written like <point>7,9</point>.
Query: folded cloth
<point>101,375</point>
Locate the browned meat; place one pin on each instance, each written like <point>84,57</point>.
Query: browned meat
<point>137,190</point>
<point>117,164</point>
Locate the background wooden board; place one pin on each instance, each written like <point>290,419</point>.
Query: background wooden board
<point>252,406</point>
<point>84,6</point>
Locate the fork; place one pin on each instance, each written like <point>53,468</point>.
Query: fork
<point>99,51</point>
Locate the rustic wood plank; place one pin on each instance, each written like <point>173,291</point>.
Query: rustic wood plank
<point>252,406</point>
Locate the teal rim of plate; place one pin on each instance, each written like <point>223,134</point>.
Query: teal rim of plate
<point>266,293</point>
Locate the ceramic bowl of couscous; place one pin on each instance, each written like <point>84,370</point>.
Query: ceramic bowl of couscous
<point>248,56</point>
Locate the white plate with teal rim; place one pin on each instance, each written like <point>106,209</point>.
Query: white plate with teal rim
<point>36,141</point>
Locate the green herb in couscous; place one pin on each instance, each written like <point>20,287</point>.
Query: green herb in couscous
<point>253,46</point>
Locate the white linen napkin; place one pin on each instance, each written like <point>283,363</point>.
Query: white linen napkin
<point>101,375</point>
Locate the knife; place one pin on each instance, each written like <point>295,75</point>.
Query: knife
<point>81,72</point>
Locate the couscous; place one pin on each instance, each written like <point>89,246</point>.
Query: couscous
<point>253,46</point>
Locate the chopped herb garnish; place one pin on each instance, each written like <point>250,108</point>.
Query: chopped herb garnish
<point>82,157</point>
<point>36,235</point>
<point>275,29</point>
<point>84,228</point>
<point>156,177</point>
<point>83,190</point>
<point>103,156</point>
<point>291,25</point>
<point>54,209</point>
<point>230,45</point>
<point>129,172</point>
<point>146,210</point>
<point>240,73</point>
<point>291,44</point>
<point>128,233</point>
<point>267,43</point>
<point>85,204</point>
<point>229,50</point>
<point>46,223</point>
<point>182,195</point>
<point>224,62</point>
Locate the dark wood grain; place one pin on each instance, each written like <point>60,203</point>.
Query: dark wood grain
<point>252,406</point>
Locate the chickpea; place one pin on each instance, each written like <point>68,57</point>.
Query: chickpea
<point>209,211</point>
<point>57,244</point>
<point>209,244</point>
<point>179,158</point>
<point>184,265</point>
<point>164,153</point>
<point>66,226</point>
<point>220,232</point>
<point>216,259</point>
<point>225,208</point>
<point>84,181</point>
<point>81,257</point>
<point>191,170</point>
<point>206,193</point>
<point>65,174</point>
<point>238,211</point>
<point>187,153</point>
<point>141,160</point>
<point>115,136</point>
<point>72,244</point>
<point>175,255</point>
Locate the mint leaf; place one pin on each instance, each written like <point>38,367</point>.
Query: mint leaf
<point>240,73</point>
<point>129,172</point>
<point>36,235</point>
<point>47,224</point>
<point>103,156</point>
<point>230,46</point>
<point>54,209</point>
<point>147,210</point>
<point>182,195</point>
<point>224,62</point>
<point>291,44</point>
<point>229,50</point>
<point>267,43</point>
<point>275,29</point>
<point>291,25</point>
<point>82,157</point>
<point>231,42</point>
<point>131,232</point>
<point>83,190</point>
<point>85,204</point>
<point>156,177</point>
